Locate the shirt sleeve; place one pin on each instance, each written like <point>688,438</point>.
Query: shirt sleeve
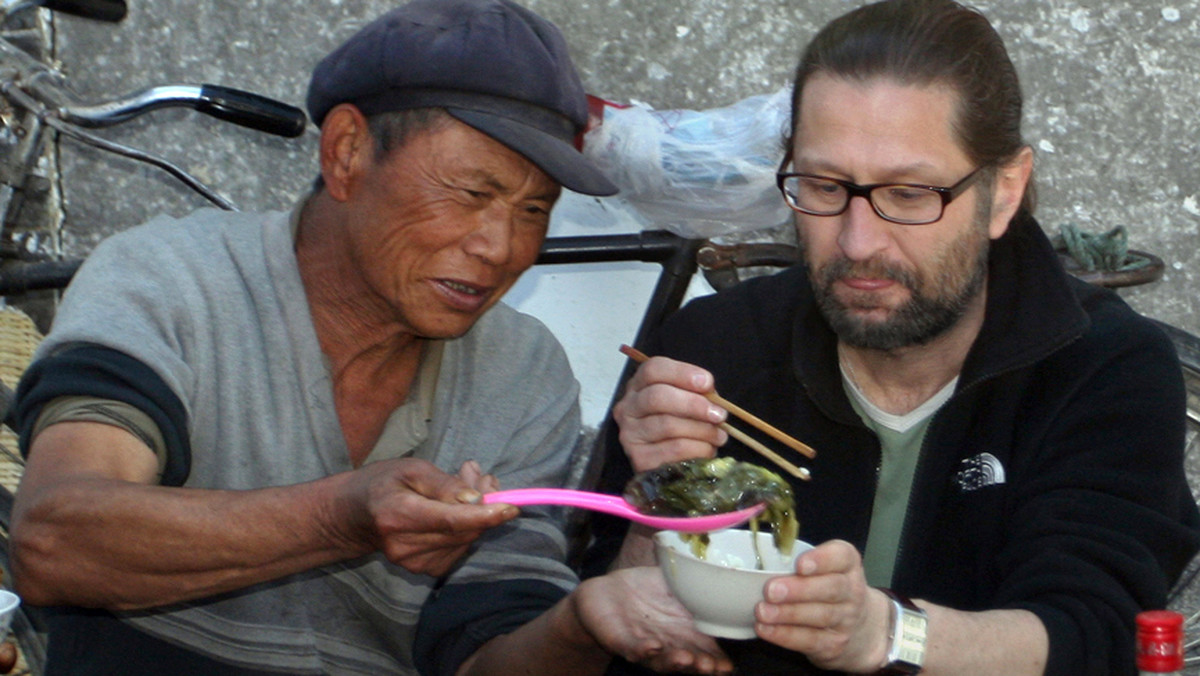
<point>107,374</point>
<point>458,619</point>
<point>80,408</point>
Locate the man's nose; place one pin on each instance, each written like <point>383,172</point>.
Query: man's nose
<point>491,240</point>
<point>864,232</point>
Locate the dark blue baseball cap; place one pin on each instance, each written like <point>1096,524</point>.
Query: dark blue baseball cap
<point>491,64</point>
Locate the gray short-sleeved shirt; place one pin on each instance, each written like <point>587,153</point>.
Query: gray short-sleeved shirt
<point>213,303</point>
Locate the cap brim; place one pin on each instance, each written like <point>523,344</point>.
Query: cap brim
<point>559,159</point>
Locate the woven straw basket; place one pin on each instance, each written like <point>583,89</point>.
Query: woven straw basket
<point>18,339</point>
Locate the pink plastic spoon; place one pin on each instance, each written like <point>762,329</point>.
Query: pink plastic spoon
<point>616,505</point>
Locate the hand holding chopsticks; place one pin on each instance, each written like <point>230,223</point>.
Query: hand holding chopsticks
<point>739,412</point>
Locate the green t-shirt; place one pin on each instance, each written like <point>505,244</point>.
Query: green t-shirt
<point>900,438</point>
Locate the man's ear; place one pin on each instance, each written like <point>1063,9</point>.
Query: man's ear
<point>346,150</point>
<point>1008,190</point>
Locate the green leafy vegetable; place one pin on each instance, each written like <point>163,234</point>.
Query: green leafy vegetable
<point>714,485</point>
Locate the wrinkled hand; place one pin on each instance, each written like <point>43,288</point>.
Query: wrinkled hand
<point>631,613</point>
<point>664,416</point>
<point>420,517</point>
<point>827,611</point>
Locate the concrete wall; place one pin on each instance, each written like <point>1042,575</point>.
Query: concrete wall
<point>1111,90</point>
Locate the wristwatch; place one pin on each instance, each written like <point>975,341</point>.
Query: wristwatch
<point>906,636</point>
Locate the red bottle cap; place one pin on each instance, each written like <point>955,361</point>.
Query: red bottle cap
<point>1160,641</point>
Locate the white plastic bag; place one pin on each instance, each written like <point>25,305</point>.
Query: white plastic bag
<point>697,173</point>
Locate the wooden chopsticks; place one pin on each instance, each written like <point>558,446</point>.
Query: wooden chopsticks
<point>735,410</point>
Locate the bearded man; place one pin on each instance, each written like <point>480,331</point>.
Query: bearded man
<point>995,438</point>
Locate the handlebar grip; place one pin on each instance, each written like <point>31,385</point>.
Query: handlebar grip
<point>22,277</point>
<point>111,11</point>
<point>251,110</point>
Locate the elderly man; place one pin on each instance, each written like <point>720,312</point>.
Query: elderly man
<point>240,427</point>
<point>996,439</point>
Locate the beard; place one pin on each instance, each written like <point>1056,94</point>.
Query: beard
<point>938,298</point>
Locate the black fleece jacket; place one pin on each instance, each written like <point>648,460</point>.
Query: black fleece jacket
<point>1052,480</point>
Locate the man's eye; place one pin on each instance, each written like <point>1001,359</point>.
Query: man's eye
<point>901,193</point>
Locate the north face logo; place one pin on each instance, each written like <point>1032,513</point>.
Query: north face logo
<point>982,470</point>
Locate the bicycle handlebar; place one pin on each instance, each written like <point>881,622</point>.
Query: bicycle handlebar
<point>648,246</point>
<point>23,73</point>
<point>19,277</point>
<point>224,103</point>
<point>111,11</point>
<point>252,110</point>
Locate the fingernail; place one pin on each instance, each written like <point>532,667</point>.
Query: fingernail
<point>716,414</point>
<point>767,612</point>
<point>775,593</point>
<point>701,382</point>
<point>469,497</point>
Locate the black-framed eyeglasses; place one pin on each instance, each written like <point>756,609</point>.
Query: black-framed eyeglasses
<point>903,203</point>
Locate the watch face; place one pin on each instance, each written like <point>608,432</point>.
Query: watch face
<point>911,637</point>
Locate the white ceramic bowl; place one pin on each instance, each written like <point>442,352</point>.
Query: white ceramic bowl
<point>8,607</point>
<point>721,590</point>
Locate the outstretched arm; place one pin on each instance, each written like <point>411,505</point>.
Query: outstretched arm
<point>90,529</point>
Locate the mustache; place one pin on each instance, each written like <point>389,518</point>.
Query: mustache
<point>842,268</point>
